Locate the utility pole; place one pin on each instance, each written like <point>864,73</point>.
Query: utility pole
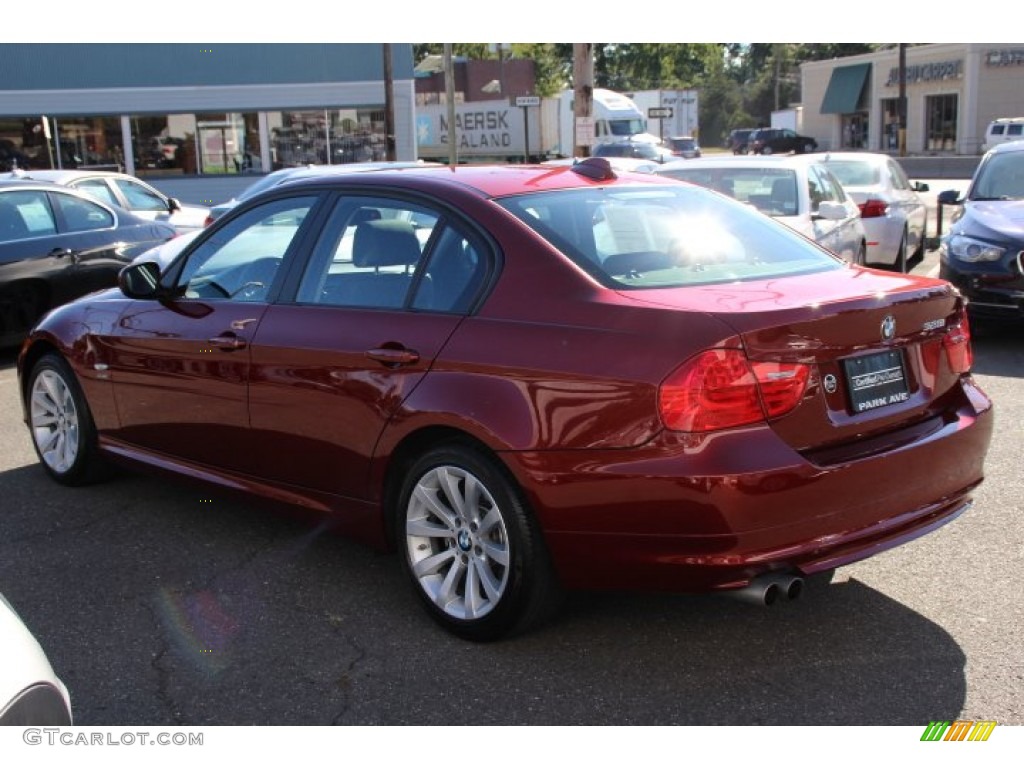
<point>449,92</point>
<point>583,92</point>
<point>903,99</point>
<point>389,105</point>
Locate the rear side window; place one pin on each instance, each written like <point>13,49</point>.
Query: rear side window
<point>997,130</point>
<point>1015,129</point>
<point>368,254</point>
<point>25,214</point>
<point>666,237</point>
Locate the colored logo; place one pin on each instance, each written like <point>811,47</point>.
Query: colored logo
<point>958,730</point>
<point>888,328</point>
<point>425,131</point>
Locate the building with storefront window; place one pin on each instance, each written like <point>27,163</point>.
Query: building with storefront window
<point>191,110</point>
<point>954,90</point>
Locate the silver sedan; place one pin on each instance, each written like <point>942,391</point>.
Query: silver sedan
<point>894,215</point>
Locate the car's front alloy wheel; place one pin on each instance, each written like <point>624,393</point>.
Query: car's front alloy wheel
<point>470,546</point>
<point>62,429</point>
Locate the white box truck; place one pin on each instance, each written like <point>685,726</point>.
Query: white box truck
<point>494,130</point>
<point>680,107</point>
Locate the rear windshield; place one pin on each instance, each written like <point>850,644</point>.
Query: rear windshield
<point>852,173</point>
<point>658,237</point>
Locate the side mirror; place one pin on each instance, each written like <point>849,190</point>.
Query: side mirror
<point>949,197</point>
<point>173,204</point>
<point>831,211</point>
<point>140,281</point>
<point>920,186</point>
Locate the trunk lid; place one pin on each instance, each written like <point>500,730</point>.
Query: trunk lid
<point>873,342</point>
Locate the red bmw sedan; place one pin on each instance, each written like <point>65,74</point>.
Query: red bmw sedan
<point>529,379</point>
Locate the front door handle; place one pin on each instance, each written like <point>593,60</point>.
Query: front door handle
<point>393,357</point>
<point>228,342</point>
<point>60,253</point>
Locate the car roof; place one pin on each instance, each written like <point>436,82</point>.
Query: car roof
<point>869,157</point>
<point>489,181</point>
<point>31,183</point>
<point>1009,146</point>
<point>59,176</point>
<point>729,161</point>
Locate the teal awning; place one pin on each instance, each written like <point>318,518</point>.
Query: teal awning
<point>844,89</point>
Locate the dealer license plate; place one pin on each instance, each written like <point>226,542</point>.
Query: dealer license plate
<point>875,381</point>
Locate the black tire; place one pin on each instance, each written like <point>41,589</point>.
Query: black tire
<point>900,265</point>
<point>862,255</point>
<point>61,425</point>
<point>766,150</point>
<point>471,548</point>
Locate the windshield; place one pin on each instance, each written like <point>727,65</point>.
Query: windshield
<point>1000,178</point>
<point>852,173</point>
<point>770,190</point>
<point>626,127</point>
<point>656,237</point>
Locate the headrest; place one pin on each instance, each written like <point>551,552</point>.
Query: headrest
<point>385,243</point>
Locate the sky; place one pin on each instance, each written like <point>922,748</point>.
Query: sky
<point>520,20</point>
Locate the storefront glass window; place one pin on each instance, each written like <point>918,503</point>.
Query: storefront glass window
<point>164,145</point>
<point>890,125</point>
<point>326,136</point>
<point>941,113</point>
<point>73,142</point>
<point>214,143</point>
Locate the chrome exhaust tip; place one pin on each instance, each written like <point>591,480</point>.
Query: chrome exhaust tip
<point>762,590</point>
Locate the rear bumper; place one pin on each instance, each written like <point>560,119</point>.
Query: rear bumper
<point>689,514</point>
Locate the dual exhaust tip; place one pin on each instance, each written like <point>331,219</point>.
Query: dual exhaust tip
<point>769,588</point>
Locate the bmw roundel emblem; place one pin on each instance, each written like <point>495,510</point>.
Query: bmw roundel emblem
<point>830,383</point>
<point>888,328</point>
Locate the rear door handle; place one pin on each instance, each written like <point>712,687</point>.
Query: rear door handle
<point>393,357</point>
<point>228,342</point>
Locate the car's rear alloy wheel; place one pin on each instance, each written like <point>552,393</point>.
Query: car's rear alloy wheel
<point>471,548</point>
<point>62,429</point>
<point>766,150</point>
<point>808,147</point>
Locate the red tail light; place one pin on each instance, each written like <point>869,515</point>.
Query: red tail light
<point>209,220</point>
<point>957,343</point>
<point>872,209</point>
<point>721,388</point>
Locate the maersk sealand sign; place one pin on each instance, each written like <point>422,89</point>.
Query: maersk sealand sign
<point>482,128</point>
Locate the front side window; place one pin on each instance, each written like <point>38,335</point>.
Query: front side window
<point>659,237</point>
<point>240,261</point>
<point>82,215</point>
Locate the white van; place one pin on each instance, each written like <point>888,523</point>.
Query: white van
<point>1002,130</point>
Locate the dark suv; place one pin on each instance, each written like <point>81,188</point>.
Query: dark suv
<point>738,139</point>
<point>767,141</point>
